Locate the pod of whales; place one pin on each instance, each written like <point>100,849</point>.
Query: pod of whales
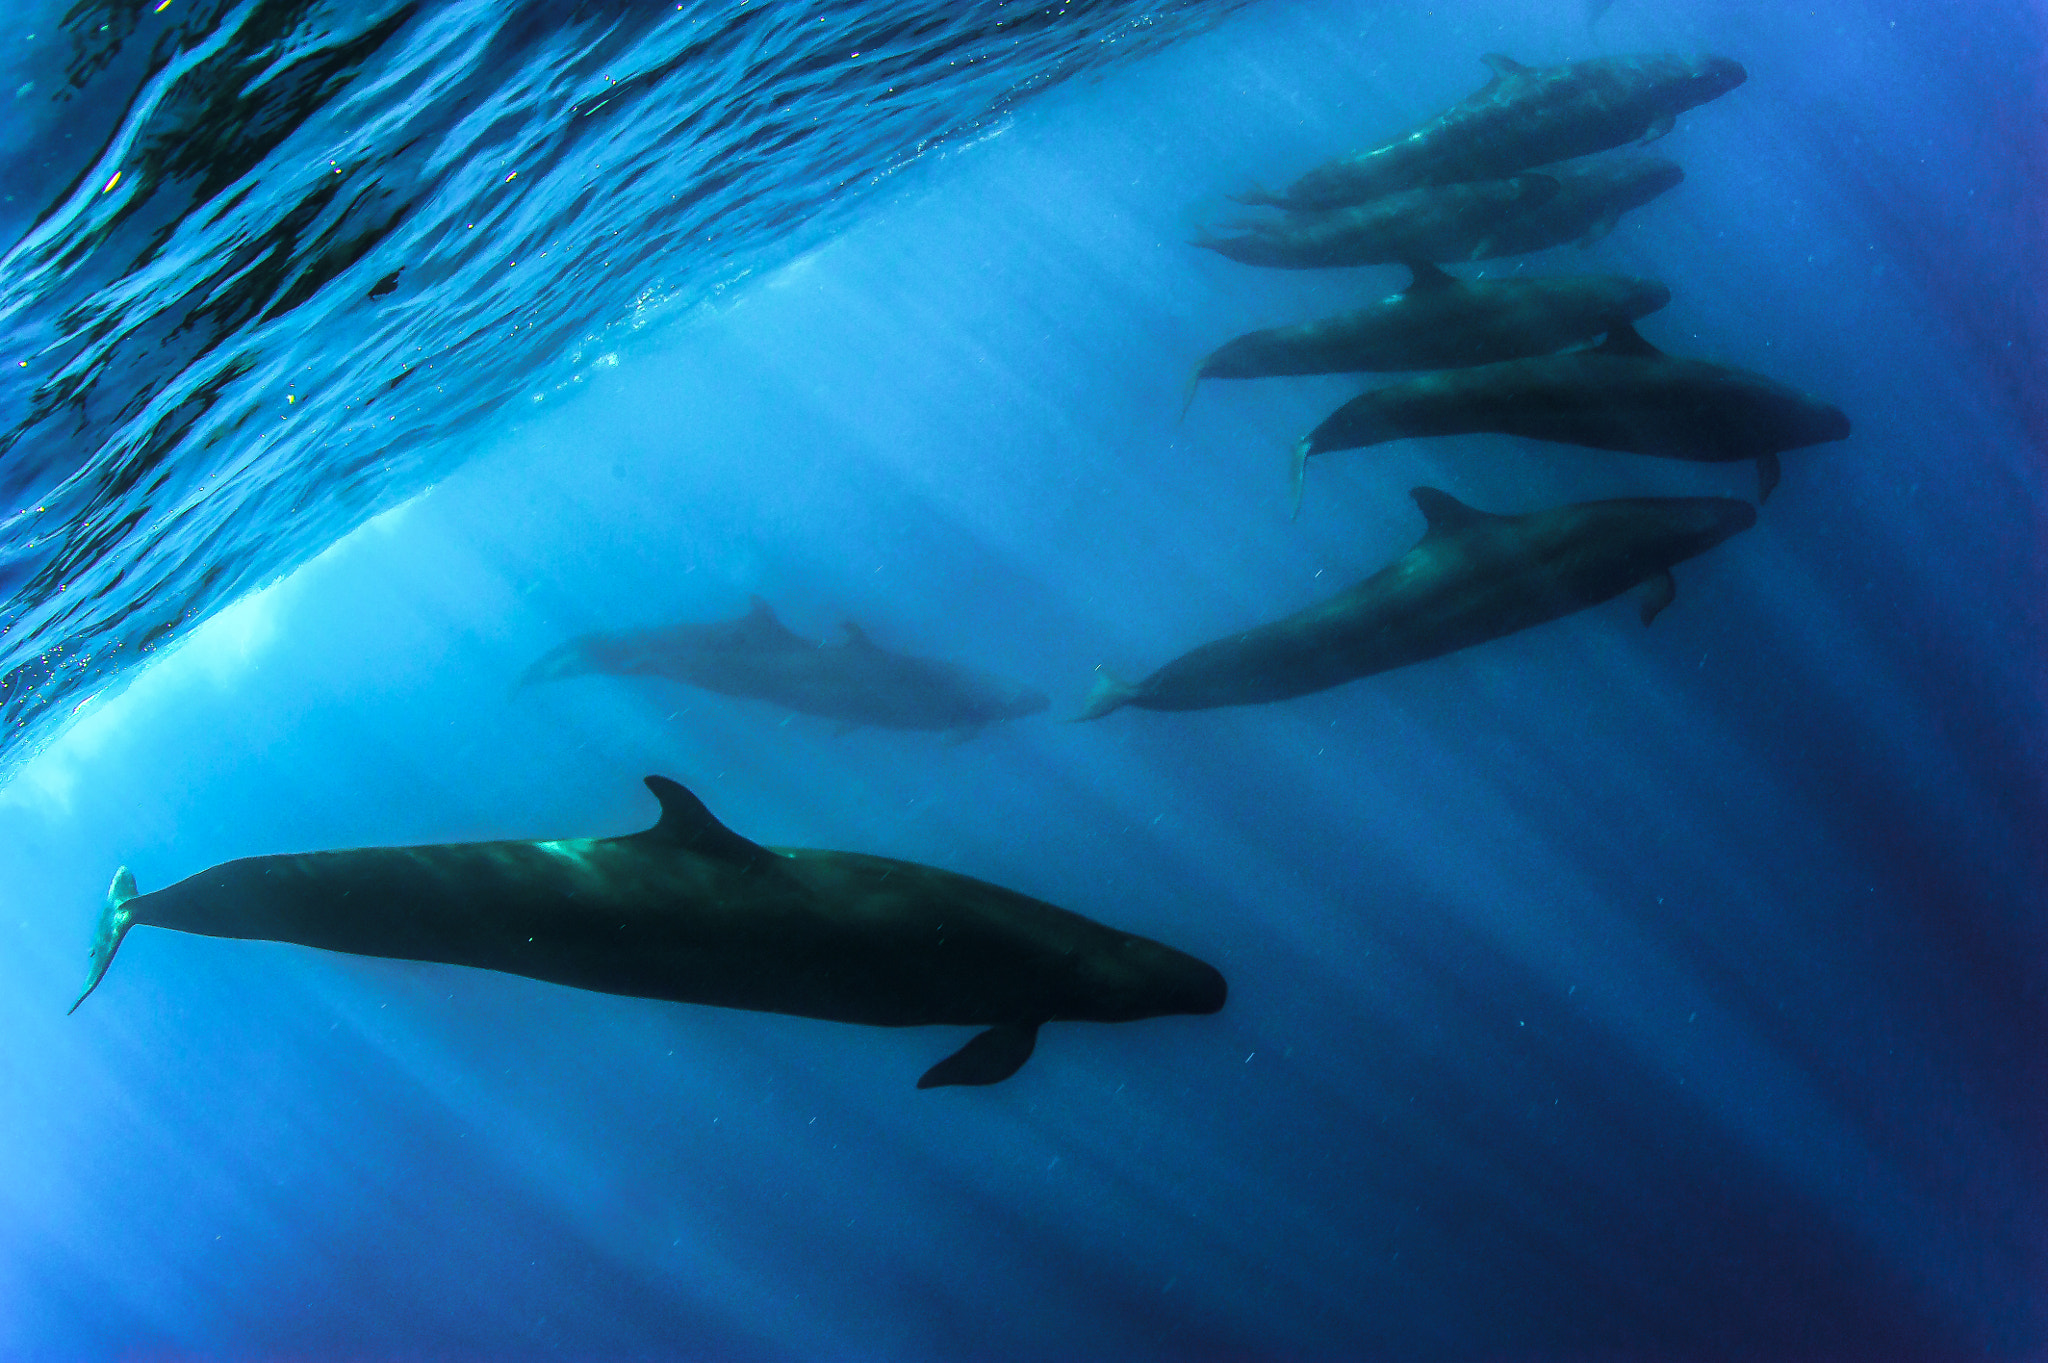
<point>1624,394</point>
<point>1524,116</point>
<point>1473,576</point>
<point>1435,223</point>
<point>1441,322</point>
<point>691,912</point>
<point>759,658</point>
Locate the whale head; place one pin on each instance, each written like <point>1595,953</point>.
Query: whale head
<point>1132,977</point>
<point>1710,77</point>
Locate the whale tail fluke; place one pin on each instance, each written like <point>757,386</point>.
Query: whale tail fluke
<point>1109,694</point>
<point>1302,451</point>
<point>990,1058</point>
<point>115,920</point>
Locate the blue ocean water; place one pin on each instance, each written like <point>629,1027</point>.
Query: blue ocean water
<point>1599,992</point>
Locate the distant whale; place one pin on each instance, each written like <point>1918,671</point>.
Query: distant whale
<point>1435,223</point>
<point>691,912</point>
<point>1591,197</point>
<point>1624,394</point>
<point>1440,322</point>
<point>1525,116</point>
<point>1474,576</point>
<point>757,657</point>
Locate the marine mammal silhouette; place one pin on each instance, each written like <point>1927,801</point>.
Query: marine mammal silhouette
<point>1473,576</point>
<point>1434,223</point>
<point>1624,394</point>
<point>1524,116</point>
<point>692,912</point>
<point>1591,197</point>
<point>758,658</point>
<point>1441,322</point>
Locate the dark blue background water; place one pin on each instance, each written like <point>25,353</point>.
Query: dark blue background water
<point>1597,992</point>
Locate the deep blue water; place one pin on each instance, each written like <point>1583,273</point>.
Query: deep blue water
<point>1599,992</point>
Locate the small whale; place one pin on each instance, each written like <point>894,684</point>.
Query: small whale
<point>691,912</point>
<point>1623,394</point>
<point>1591,197</point>
<point>1473,577</point>
<point>1525,116</point>
<point>1441,322</point>
<point>757,657</point>
<point>1435,223</point>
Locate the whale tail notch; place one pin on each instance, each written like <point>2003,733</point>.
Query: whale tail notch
<point>990,1058</point>
<point>115,920</point>
<point>1110,693</point>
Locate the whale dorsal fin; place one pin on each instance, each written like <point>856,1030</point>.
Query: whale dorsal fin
<point>856,637</point>
<point>1503,66</point>
<point>1446,513</point>
<point>761,618</point>
<point>1624,339</point>
<point>1427,277</point>
<point>687,824</point>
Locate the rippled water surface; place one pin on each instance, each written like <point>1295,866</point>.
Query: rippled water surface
<point>279,259</point>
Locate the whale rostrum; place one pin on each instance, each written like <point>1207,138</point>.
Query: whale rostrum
<point>692,912</point>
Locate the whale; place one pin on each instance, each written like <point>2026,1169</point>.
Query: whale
<point>1441,322</point>
<point>1591,197</point>
<point>857,683</point>
<point>1474,576</point>
<point>1524,116</point>
<point>1436,223</point>
<point>1623,394</point>
<point>691,912</point>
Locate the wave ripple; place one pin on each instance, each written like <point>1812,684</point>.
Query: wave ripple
<point>210,372</point>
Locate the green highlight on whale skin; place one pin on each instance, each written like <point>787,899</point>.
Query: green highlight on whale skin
<point>691,912</point>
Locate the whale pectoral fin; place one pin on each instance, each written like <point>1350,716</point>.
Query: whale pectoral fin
<point>1653,594</point>
<point>989,1058</point>
<point>1301,453</point>
<point>687,824</point>
<point>1659,127</point>
<point>115,920</point>
<point>1767,475</point>
<point>962,734</point>
<point>844,727</point>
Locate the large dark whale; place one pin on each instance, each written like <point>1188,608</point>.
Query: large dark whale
<point>1435,223</point>
<point>1624,394</point>
<point>692,912</point>
<point>1525,116</point>
<point>1474,576</point>
<point>1591,197</point>
<point>757,657</point>
<point>1440,322</point>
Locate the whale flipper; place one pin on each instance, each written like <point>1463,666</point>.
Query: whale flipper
<point>1768,472</point>
<point>688,824</point>
<point>1653,594</point>
<point>115,920</point>
<point>989,1058</point>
